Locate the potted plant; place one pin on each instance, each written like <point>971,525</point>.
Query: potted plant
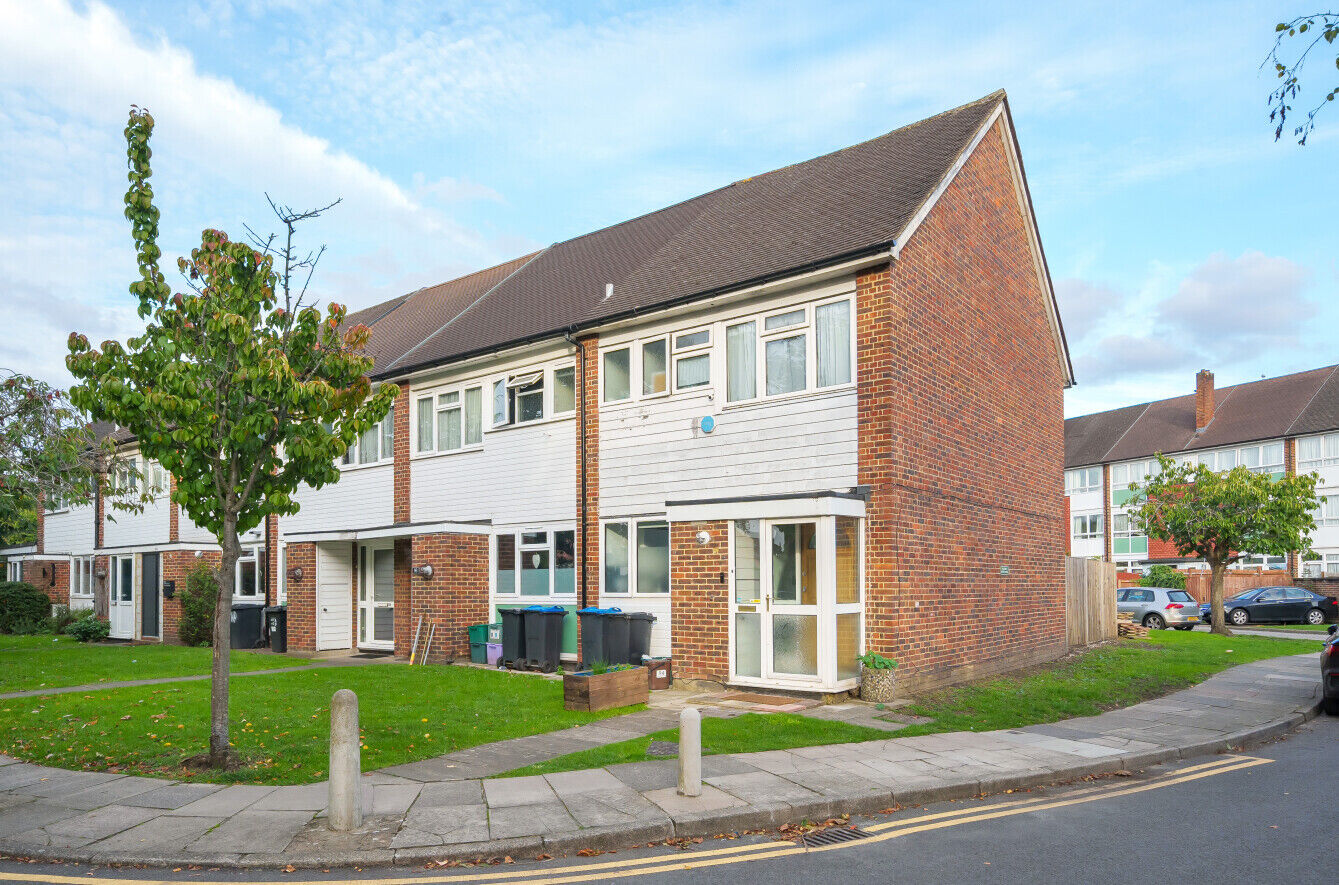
<point>603,687</point>
<point>878,682</point>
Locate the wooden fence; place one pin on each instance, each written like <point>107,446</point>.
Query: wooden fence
<point>1090,600</point>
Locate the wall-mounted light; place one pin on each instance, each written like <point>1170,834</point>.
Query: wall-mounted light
<point>422,571</point>
<point>704,537</point>
<point>295,573</point>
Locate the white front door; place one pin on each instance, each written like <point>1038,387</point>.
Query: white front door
<point>376,597</point>
<point>121,599</point>
<point>334,595</point>
<point>796,607</point>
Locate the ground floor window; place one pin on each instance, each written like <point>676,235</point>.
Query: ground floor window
<point>81,576</point>
<point>797,599</point>
<point>635,557</point>
<point>1087,526</point>
<point>281,588</point>
<point>247,583</point>
<point>535,562</point>
<point>13,571</point>
<point>1317,565</point>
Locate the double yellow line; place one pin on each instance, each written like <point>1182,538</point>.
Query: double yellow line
<point>697,860</point>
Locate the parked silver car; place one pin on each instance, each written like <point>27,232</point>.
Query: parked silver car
<point>1159,607</point>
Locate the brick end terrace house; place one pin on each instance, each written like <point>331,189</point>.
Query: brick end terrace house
<point>1278,426</point>
<point>812,413</point>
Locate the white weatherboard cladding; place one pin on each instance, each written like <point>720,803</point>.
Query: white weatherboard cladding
<point>364,497</point>
<point>521,476</point>
<point>70,531</point>
<point>334,595</point>
<point>651,453</point>
<point>1086,547</point>
<point>137,529</point>
<point>1085,502</point>
<point>188,532</point>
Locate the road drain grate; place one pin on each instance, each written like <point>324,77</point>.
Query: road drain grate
<point>833,836</point>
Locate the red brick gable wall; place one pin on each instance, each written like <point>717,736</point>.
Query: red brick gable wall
<point>961,439</point>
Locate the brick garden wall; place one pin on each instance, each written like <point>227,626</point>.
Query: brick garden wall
<point>700,601</point>
<point>176,566</point>
<point>961,439</point>
<point>455,597</point>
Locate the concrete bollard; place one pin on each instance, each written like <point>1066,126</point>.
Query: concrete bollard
<point>690,752</point>
<point>346,776</point>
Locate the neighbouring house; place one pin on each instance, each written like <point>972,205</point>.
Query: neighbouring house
<point>1280,426</point>
<point>809,414</point>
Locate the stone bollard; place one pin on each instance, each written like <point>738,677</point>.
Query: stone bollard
<point>346,776</point>
<point>690,752</point>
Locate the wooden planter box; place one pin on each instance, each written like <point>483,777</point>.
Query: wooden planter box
<point>617,688</point>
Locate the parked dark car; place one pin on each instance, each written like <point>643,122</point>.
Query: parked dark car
<point>1329,673</point>
<point>1276,605</point>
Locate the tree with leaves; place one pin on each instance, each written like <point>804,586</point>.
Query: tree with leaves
<point>48,454</point>
<point>238,388</point>
<point>1221,517</point>
<point>1314,30</point>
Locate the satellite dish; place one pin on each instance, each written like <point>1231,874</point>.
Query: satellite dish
<point>708,424</point>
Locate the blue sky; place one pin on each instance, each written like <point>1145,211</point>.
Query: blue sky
<point>1180,235</point>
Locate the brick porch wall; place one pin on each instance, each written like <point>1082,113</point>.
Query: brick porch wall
<point>700,601</point>
<point>302,598</point>
<point>455,597</point>
<point>960,411</point>
<point>51,576</point>
<point>177,566</point>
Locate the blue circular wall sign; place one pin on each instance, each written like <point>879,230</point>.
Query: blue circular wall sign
<point>708,424</point>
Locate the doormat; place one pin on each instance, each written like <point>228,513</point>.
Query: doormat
<point>373,654</point>
<point>766,700</point>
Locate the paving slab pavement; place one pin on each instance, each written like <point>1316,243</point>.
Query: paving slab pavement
<point>447,808</point>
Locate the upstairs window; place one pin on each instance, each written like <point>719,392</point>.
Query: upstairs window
<point>692,359</point>
<point>1086,526</point>
<point>450,420</point>
<point>803,348</point>
<point>1316,452</point>
<point>1083,479</point>
<point>655,368</point>
<point>518,399</point>
<point>564,390</point>
<point>616,375</point>
<point>373,445</point>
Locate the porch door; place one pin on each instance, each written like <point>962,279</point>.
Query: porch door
<point>776,601</point>
<point>376,597</point>
<point>121,600</point>
<point>149,596</point>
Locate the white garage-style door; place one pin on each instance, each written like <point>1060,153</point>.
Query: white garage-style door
<point>334,595</point>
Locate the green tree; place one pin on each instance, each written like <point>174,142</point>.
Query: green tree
<point>241,396</point>
<point>1164,576</point>
<point>1313,29</point>
<point>48,453</point>
<point>1220,517</point>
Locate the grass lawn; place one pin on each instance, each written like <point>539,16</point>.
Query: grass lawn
<point>743,734</point>
<point>1302,628</point>
<point>1103,679</point>
<point>281,723</point>
<point>36,662</point>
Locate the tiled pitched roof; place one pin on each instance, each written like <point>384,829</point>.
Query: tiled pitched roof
<point>1290,405</point>
<point>847,203</point>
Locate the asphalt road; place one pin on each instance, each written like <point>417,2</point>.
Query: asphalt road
<point>1262,816</point>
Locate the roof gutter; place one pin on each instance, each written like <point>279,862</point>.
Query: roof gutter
<point>878,250</point>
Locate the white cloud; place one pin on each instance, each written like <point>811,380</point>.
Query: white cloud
<point>1083,304</point>
<point>1254,299</point>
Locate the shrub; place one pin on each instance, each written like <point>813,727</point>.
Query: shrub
<point>60,619</point>
<point>22,605</point>
<point>88,627</point>
<point>1164,576</point>
<point>197,606</point>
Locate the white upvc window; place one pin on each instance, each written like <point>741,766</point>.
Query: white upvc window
<point>13,570</point>
<point>535,563</point>
<point>1086,525</point>
<point>635,557</point>
<point>1258,458</point>
<point>692,359</point>
<point>156,478</point>
<point>564,390</point>
<point>1135,472</point>
<point>449,420</point>
<point>1317,565</point>
<point>790,351</point>
<point>1083,479</point>
<point>1328,511</point>
<point>655,366</point>
<point>246,576</point>
<point>518,398</point>
<point>374,445</point>
<point>125,477</point>
<point>81,576</point>
<point>1315,452</point>
<point>281,575</point>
